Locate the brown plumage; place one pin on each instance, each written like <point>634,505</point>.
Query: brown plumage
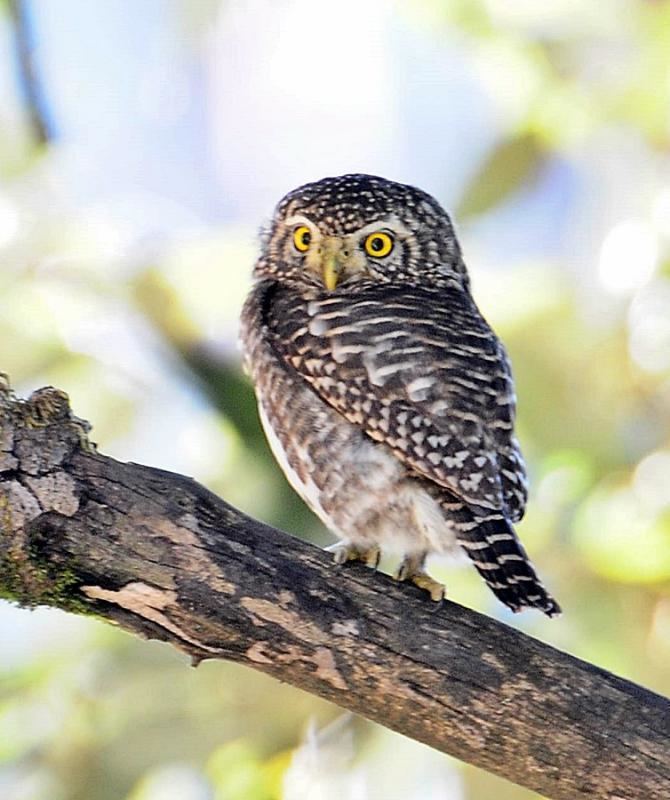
<point>386,397</point>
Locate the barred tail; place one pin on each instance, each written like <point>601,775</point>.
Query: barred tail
<point>501,560</point>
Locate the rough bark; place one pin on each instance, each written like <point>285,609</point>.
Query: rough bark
<point>165,558</point>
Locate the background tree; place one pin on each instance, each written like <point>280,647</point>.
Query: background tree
<point>125,248</point>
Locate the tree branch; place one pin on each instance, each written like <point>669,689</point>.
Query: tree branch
<point>165,558</point>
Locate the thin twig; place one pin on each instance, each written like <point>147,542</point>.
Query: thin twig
<point>30,84</point>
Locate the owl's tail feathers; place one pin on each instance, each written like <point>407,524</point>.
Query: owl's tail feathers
<point>501,560</point>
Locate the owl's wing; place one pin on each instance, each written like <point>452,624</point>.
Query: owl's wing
<point>420,371</point>
<point>512,466</point>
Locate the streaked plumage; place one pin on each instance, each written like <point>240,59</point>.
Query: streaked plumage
<point>388,400</point>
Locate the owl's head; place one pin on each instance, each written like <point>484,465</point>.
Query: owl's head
<point>356,229</point>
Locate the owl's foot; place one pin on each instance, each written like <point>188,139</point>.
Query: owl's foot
<point>411,569</point>
<point>345,551</point>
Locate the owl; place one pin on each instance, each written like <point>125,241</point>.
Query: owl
<point>385,396</point>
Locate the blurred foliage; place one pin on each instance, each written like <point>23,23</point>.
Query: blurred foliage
<point>143,339</point>
<point>514,162</point>
<point>230,392</point>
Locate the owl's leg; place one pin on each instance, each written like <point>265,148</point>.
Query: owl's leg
<point>412,569</point>
<point>345,551</point>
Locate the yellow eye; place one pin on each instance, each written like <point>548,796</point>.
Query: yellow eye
<point>379,244</point>
<point>302,238</point>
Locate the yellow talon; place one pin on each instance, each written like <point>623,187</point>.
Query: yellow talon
<point>344,551</point>
<point>435,589</point>
<point>411,569</point>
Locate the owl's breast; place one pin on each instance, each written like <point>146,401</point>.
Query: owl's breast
<point>330,463</point>
<point>357,486</point>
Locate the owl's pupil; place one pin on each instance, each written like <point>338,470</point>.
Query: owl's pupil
<point>377,244</point>
<point>306,238</point>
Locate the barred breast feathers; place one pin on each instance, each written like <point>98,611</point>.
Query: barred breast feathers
<point>436,389</point>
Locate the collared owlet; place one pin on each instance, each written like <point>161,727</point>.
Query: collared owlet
<point>386,397</point>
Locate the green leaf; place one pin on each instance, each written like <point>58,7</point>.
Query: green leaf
<point>512,164</point>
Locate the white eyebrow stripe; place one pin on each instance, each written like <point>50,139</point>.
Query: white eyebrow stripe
<point>296,219</point>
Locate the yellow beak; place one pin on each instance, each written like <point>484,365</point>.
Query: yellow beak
<point>331,263</point>
<point>331,272</point>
